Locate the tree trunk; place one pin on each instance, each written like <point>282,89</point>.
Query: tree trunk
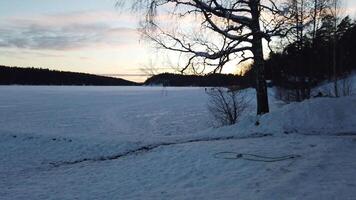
<point>315,15</point>
<point>257,50</point>
<point>336,88</point>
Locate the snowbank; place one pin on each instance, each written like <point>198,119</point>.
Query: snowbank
<point>314,116</point>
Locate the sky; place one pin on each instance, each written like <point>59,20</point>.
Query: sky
<point>89,36</point>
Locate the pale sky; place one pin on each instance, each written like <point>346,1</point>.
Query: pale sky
<point>77,35</point>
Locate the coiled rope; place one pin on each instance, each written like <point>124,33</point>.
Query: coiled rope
<point>252,157</point>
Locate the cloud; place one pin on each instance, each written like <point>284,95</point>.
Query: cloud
<point>22,54</point>
<point>68,31</point>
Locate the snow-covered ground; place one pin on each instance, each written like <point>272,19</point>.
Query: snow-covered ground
<point>159,143</point>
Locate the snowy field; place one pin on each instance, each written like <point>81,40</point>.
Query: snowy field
<point>159,143</point>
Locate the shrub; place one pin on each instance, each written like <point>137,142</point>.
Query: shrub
<point>226,104</point>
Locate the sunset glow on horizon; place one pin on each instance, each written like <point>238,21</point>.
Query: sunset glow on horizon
<point>90,36</point>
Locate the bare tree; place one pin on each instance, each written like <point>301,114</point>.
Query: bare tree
<point>305,17</point>
<point>221,31</point>
<point>318,7</point>
<point>226,104</point>
<point>335,11</point>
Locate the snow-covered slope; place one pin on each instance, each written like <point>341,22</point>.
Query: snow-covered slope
<point>75,143</point>
<point>314,116</point>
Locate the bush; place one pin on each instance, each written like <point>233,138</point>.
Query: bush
<point>226,104</point>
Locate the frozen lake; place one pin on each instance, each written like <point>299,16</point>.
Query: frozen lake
<point>104,112</point>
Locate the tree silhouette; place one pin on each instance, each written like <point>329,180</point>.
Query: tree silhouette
<point>223,30</point>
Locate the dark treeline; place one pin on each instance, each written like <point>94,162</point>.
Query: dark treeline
<point>326,53</point>
<point>36,76</point>
<point>329,54</point>
<point>210,80</point>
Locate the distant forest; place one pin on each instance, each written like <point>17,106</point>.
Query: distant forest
<point>36,76</point>
<point>209,80</point>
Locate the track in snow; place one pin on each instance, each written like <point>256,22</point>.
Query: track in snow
<point>151,147</point>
